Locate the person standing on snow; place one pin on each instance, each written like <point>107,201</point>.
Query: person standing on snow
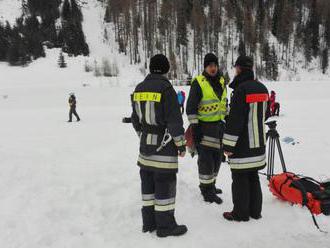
<point>274,106</point>
<point>181,99</point>
<point>245,141</point>
<point>73,105</point>
<point>158,122</point>
<point>206,110</point>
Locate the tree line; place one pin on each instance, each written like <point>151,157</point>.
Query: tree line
<point>286,33</point>
<point>55,24</point>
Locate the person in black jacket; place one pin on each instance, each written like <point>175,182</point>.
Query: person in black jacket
<point>158,122</point>
<point>245,141</point>
<point>206,110</point>
<point>73,105</point>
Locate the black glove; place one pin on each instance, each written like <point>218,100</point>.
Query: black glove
<point>181,149</point>
<point>197,133</point>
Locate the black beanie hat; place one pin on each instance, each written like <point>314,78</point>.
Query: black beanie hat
<point>159,64</point>
<point>244,62</point>
<point>209,59</point>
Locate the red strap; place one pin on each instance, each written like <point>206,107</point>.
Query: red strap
<point>257,98</point>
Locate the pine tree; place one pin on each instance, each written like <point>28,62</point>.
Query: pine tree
<point>4,43</point>
<point>33,37</point>
<point>17,52</point>
<point>312,29</point>
<point>325,60</point>
<point>72,34</point>
<point>274,64</point>
<point>241,47</point>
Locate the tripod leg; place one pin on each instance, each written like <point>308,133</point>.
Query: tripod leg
<point>273,157</point>
<point>271,153</point>
<point>269,158</point>
<point>281,154</point>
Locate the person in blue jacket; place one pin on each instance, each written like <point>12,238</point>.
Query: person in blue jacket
<point>181,99</point>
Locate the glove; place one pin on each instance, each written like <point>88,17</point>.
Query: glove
<point>182,150</point>
<point>197,133</point>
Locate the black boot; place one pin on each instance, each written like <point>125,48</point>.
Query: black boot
<point>209,194</point>
<point>218,191</point>
<point>258,217</point>
<point>230,216</point>
<point>148,228</point>
<point>148,217</point>
<point>178,230</point>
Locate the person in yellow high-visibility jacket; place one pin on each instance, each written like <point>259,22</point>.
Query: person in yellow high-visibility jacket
<point>206,110</point>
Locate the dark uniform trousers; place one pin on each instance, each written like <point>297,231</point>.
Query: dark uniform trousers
<point>158,195</point>
<point>247,194</point>
<point>73,112</point>
<point>209,162</point>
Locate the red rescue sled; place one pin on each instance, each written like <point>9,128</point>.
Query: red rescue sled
<point>304,191</point>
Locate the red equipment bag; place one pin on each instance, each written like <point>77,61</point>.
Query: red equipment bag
<point>304,191</point>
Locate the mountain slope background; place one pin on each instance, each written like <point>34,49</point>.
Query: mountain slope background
<point>288,39</point>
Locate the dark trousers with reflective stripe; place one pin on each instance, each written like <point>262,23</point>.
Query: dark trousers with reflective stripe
<point>209,162</point>
<point>162,186</point>
<point>247,194</point>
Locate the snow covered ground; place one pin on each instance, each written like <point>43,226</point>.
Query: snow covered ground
<point>76,185</point>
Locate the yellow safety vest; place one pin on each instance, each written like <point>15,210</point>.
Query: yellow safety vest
<point>211,108</point>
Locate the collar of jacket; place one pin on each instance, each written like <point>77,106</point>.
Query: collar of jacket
<point>246,75</point>
<point>214,79</point>
<point>156,76</point>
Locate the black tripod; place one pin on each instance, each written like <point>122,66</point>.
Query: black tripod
<point>273,137</point>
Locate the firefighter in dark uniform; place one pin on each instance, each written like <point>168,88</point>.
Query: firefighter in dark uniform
<point>73,105</point>
<point>206,110</point>
<point>245,141</point>
<point>158,121</point>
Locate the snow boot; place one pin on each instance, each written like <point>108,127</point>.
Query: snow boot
<point>148,217</point>
<point>209,194</point>
<point>258,217</point>
<point>178,230</point>
<point>150,229</point>
<point>230,216</point>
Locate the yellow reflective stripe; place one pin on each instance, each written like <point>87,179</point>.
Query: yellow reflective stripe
<point>207,181</point>
<point>160,165</point>
<point>229,142</point>
<point>149,203</point>
<point>255,125</point>
<point>147,96</point>
<point>210,144</point>
<point>164,208</point>
<point>247,165</point>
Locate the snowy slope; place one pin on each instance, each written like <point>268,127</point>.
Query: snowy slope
<point>76,185</point>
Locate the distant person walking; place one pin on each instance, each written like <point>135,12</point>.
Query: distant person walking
<point>274,106</point>
<point>73,105</point>
<point>181,99</point>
